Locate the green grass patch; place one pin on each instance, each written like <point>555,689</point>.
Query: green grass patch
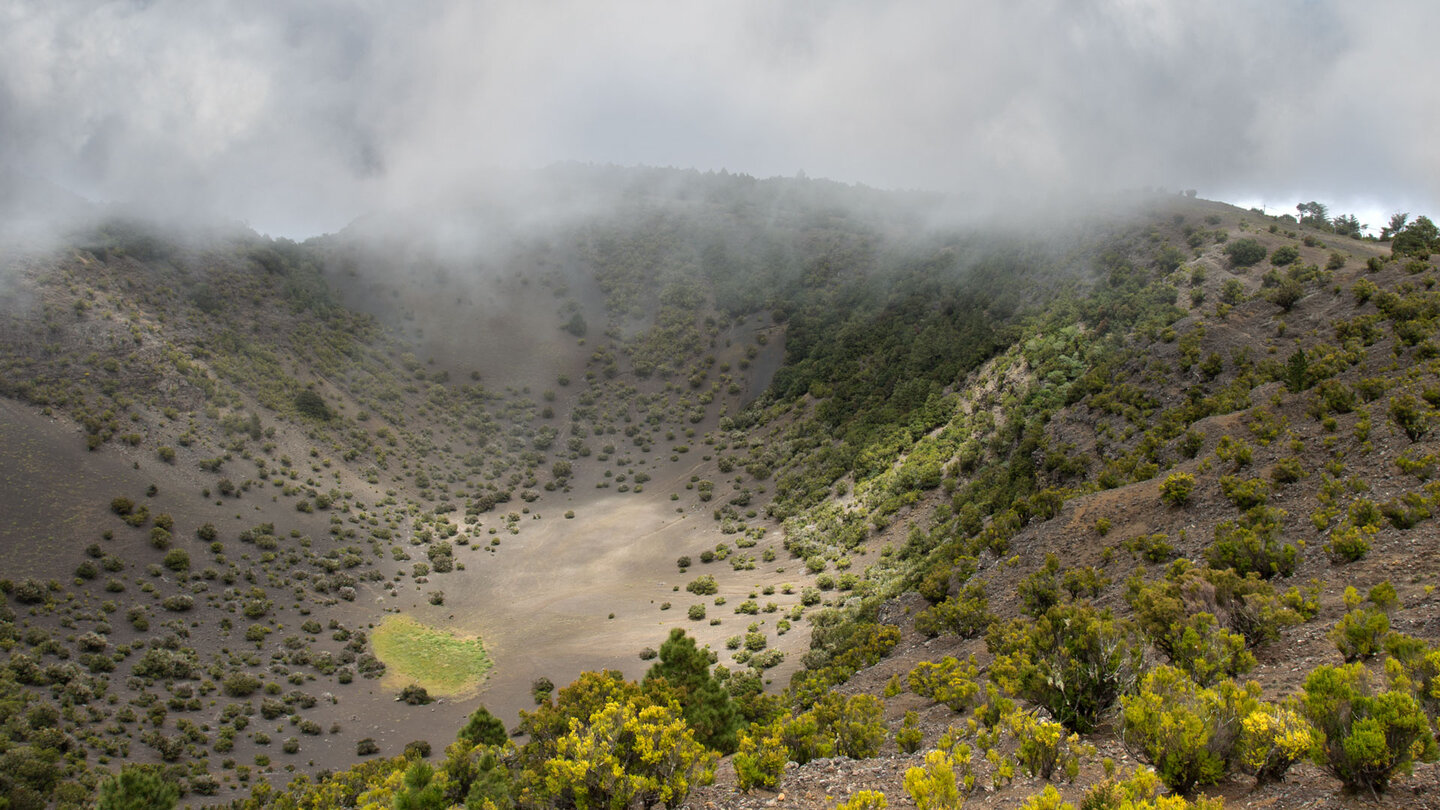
<point>442,662</point>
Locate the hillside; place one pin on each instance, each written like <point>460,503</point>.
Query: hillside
<point>260,492</point>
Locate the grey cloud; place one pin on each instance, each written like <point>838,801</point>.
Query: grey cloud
<point>300,116</point>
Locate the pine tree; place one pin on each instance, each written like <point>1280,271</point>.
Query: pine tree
<point>704,702</point>
<point>483,728</point>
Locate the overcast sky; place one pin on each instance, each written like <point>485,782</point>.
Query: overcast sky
<point>298,116</point>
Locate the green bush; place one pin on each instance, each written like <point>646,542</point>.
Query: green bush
<point>1368,732</point>
<point>1177,488</point>
<point>240,684</point>
<point>177,559</point>
<point>909,736</point>
<point>1283,255</point>
<point>1286,294</point>
<point>1188,732</point>
<point>966,614</point>
<point>703,585</point>
<point>483,728</point>
<point>310,404</point>
<point>136,787</point>
<point>1253,545</point>
<point>864,800</point>
<point>1047,799</point>
<point>1087,581</point>
<point>1246,604</point>
<point>1245,494</point>
<point>1044,747</point>
<point>933,786</point>
<point>1155,548</point>
<point>1360,633</point>
<point>1272,738</point>
<point>1244,252</point>
<point>950,682</point>
<point>837,726</point>
<point>1039,591</point>
<point>1207,651</point>
<point>415,695</point>
<point>1349,542</point>
<point>760,759</point>
<point>1287,471</point>
<point>1410,415</point>
<point>1075,660</point>
<point>1139,791</point>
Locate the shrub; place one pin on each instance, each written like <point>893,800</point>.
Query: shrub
<point>966,614</point>
<point>865,800</point>
<point>1155,548</point>
<point>1087,581</point>
<point>1272,738</point>
<point>696,612</point>
<point>1075,661</point>
<point>415,695</point>
<point>1191,443</point>
<point>366,747</point>
<point>1044,746</point>
<point>310,403</point>
<point>1363,290</point>
<point>1410,415</point>
<point>1038,591</point>
<point>909,736</point>
<point>1244,604</point>
<point>1286,254</point>
<point>1140,791</point>
<point>1246,494</point>
<point>177,559</point>
<point>136,786</point>
<point>837,727</point>
<point>178,603</point>
<point>1234,451</point>
<point>1349,542</point>
<point>240,684</point>
<point>29,592</point>
<point>703,585</point>
<point>854,727</point>
<point>1047,799</point>
<point>1244,252</point>
<point>1368,734</point>
<point>1188,732</point>
<point>933,786</point>
<point>1177,488</point>
<point>1253,545</point>
<point>1360,633</point>
<point>1207,651</point>
<point>1406,511</point>
<point>950,682</point>
<point>1287,471</point>
<point>760,759</point>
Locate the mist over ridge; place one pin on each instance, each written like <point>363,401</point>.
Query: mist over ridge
<point>297,120</point>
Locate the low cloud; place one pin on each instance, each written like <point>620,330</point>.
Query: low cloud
<point>298,117</point>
